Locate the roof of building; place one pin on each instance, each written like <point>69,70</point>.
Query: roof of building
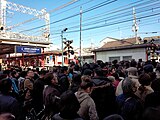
<point>121,44</point>
<point>152,37</point>
<point>109,38</point>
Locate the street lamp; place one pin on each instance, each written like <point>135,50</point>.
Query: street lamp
<point>64,30</point>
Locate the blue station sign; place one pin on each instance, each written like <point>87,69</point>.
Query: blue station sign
<point>26,49</point>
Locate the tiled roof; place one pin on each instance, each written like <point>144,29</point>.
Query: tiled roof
<point>150,38</point>
<point>119,43</point>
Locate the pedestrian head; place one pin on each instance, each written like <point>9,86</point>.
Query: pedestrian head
<point>129,86</point>
<point>69,105</point>
<point>99,72</point>
<point>145,79</point>
<point>133,63</point>
<point>30,73</point>
<point>86,83</point>
<point>5,86</point>
<point>88,72</point>
<point>51,78</point>
<point>156,85</point>
<point>64,69</point>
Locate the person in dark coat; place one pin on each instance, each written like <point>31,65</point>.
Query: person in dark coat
<point>37,92</point>
<point>75,83</point>
<point>8,104</point>
<point>51,95</point>
<point>103,95</point>
<point>63,79</point>
<point>129,105</point>
<point>69,107</point>
<point>151,113</point>
<point>153,99</point>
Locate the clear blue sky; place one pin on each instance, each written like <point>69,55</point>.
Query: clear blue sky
<point>107,24</point>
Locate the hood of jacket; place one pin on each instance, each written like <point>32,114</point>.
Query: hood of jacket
<point>81,96</point>
<point>100,80</point>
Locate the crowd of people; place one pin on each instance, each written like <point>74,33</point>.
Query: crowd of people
<point>125,90</point>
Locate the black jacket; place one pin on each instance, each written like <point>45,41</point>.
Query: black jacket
<point>37,94</point>
<point>63,82</point>
<point>9,104</point>
<point>152,100</point>
<point>103,96</point>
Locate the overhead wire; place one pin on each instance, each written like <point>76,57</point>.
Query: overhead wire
<point>148,22</point>
<point>117,10</point>
<point>145,21</point>
<point>60,7</point>
<point>116,17</point>
<point>145,2</point>
<point>90,9</point>
<point>65,10</point>
<point>114,23</point>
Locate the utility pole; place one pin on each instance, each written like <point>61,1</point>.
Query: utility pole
<point>62,44</point>
<point>80,36</point>
<point>3,5</point>
<point>135,26</point>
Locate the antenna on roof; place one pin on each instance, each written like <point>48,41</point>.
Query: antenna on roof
<point>135,26</point>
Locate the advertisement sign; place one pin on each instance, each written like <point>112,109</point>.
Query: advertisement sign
<point>26,49</point>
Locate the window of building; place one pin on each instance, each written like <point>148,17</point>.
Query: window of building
<point>127,58</point>
<point>114,58</point>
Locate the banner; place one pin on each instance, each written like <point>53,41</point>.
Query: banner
<point>26,49</point>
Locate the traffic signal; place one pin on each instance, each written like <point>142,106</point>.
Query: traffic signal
<point>1,28</point>
<point>72,52</point>
<point>65,53</point>
<point>68,48</point>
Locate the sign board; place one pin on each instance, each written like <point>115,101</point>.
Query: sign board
<point>22,37</point>
<point>26,49</point>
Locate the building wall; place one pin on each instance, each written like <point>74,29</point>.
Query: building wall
<point>138,53</point>
<point>88,60</point>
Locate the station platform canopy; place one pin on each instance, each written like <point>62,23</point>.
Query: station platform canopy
<point>8,42</point>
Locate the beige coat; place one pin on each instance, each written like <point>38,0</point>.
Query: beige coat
<point>28,84</point>
<point>143,95</point>
<point>87,106</point>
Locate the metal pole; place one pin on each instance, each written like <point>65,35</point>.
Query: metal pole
<point>62,44</point>
<point>135,26</point>
<point>68,53</point>
<point>62,48</point>
<point>80,36</point>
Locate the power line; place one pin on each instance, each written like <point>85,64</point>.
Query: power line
<point>61,12</point>
<point>114,23</point>
<point>90,9</point>
<point>60,7</point>
<point>124,14</point>
<point>117,17</point>
<point>106,12</point>
<point>122,28</point>
<point>73,16</point>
